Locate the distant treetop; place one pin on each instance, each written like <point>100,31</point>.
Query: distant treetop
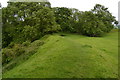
<point>28,1</point>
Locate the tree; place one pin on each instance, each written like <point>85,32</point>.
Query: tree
<point>96,22</point>
<point>116,22</point>
<point>30,33</point>
<point>63,17</point>
<point>76,20</point>
<point>91,25</point>
<point>105,16</point>
<point>18,15</point>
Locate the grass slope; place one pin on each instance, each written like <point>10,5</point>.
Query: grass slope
<point>72,56</point>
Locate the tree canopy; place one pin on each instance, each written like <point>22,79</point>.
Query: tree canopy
<point>21,19</point>
<point>31,20</point>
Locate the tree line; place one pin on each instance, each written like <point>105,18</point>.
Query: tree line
<point>29,21</point>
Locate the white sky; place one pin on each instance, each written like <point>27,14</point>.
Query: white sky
<point>82,5</point>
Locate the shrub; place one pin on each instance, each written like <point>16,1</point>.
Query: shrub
<point>10,54</point>
<point>7,55</point>
<point>11,45</point>
<point>26,43</point>
<point>37,43</point>
<point>18,50</point>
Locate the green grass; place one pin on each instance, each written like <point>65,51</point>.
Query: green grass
<point>72,56</point>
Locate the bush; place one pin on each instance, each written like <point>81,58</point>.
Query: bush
<point>37,43</point>
<point>7,55</point>
<point>12,53</point>
<point>11,45</point>
<point>18,50</point>
<point>26,43</point>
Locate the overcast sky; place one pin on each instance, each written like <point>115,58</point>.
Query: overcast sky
<point>82,5</point>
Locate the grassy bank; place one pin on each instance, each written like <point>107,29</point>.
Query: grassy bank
<point>72,56</point>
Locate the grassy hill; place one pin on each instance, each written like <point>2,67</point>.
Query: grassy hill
<point>72,56</point>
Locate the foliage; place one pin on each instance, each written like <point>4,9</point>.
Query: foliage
<point>27,21</point>
<point>32,20</point>
<point>26,43</point>
<point>15,54</point>
<point>63,17</point>
<point>95,22</point>
<point>75,21</point>
<point>9,54</point>
<point>105,16</point>
<point>11,45</point>
<point>91,25</point>
<point>31,33</point>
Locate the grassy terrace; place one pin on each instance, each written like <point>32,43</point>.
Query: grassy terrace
<point>72,56</point>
